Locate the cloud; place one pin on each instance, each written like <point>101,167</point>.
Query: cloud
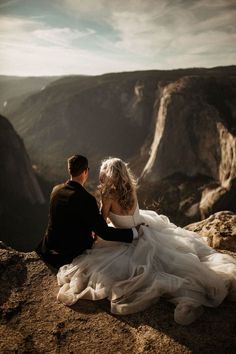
<point>147,28</point>
<point>102,8</point>
<point>61,36</point>
<point>12,26</point>
<point>120,35</point>
<point>40,60</point>
<point>29,47</point>
<point>8,3</point>
<point>172,34</point>
<point>15,24</point>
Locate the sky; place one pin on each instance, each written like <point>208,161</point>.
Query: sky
<point>91,37</point>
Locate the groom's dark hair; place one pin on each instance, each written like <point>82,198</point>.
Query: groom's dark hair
<point>77,164</point>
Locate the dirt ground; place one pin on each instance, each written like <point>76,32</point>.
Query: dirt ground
<point>32,321</point>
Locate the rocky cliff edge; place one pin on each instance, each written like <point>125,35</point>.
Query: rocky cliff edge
<point>32,321</point>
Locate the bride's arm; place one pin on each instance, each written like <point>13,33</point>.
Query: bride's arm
<point>106,206</point>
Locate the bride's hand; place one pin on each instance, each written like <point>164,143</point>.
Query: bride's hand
<point>140,229</point>
<point>94,236</point>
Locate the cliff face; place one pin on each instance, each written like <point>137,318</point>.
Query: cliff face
<point>195,130</point>
<point>176,128</point>
<point>96,116</point>
<point>17,179</point>
<point>32,321</point>
<point>19,188</point>
<point>195,135</point>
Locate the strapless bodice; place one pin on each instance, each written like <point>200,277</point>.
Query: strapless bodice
<point>125,221</point>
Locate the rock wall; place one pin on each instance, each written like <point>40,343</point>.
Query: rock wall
<point>22,201</point>
<point>17,179</point>
<point>195,135</point>
<point>192,134</point>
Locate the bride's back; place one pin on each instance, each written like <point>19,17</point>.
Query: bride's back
<point>118,188</point>
<point>117,209</point>
<point>125,220</point>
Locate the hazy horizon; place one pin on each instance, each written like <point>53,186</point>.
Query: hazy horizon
<point>75,37</point>
<point>114,72</point>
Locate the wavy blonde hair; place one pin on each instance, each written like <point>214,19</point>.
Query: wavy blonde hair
<point>117,181</point>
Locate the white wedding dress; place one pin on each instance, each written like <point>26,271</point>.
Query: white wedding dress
<point>166,261</point>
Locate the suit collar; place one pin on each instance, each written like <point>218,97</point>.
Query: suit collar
<point>74,184</point>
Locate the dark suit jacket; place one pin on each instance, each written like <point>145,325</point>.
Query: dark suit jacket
<point>73,215</point>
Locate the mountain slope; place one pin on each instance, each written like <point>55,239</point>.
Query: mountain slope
<point>96,117</point>
<point>112,114</point>
<point>176,128</point>
<point>21,198</point>
<point>16,86</point>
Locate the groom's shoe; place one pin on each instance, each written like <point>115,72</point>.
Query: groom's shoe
<point>53,258</point>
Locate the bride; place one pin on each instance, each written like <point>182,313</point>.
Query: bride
<point>166,261</point>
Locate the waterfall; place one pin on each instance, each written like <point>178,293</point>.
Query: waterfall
<point>159,129</point>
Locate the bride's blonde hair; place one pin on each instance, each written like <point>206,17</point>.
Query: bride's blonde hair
<point>117,181</point>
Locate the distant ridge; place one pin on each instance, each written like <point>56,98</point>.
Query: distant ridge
<point>15,86</point>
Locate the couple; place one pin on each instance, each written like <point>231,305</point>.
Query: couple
<point>131,265</point>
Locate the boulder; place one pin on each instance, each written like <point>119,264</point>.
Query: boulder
<point>220,228</point>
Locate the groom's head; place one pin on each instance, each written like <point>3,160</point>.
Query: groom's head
<point>77,165</point>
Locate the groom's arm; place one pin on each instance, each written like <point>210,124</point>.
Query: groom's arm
<point>99,226</point>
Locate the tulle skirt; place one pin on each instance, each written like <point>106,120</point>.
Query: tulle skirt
<point>167,261</point>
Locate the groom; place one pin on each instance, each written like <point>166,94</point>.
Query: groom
<point>74,217</point>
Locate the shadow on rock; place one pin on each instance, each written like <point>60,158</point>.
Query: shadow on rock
<point>13,274</point>
<point>88,306</point>
<point>212,332</point>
